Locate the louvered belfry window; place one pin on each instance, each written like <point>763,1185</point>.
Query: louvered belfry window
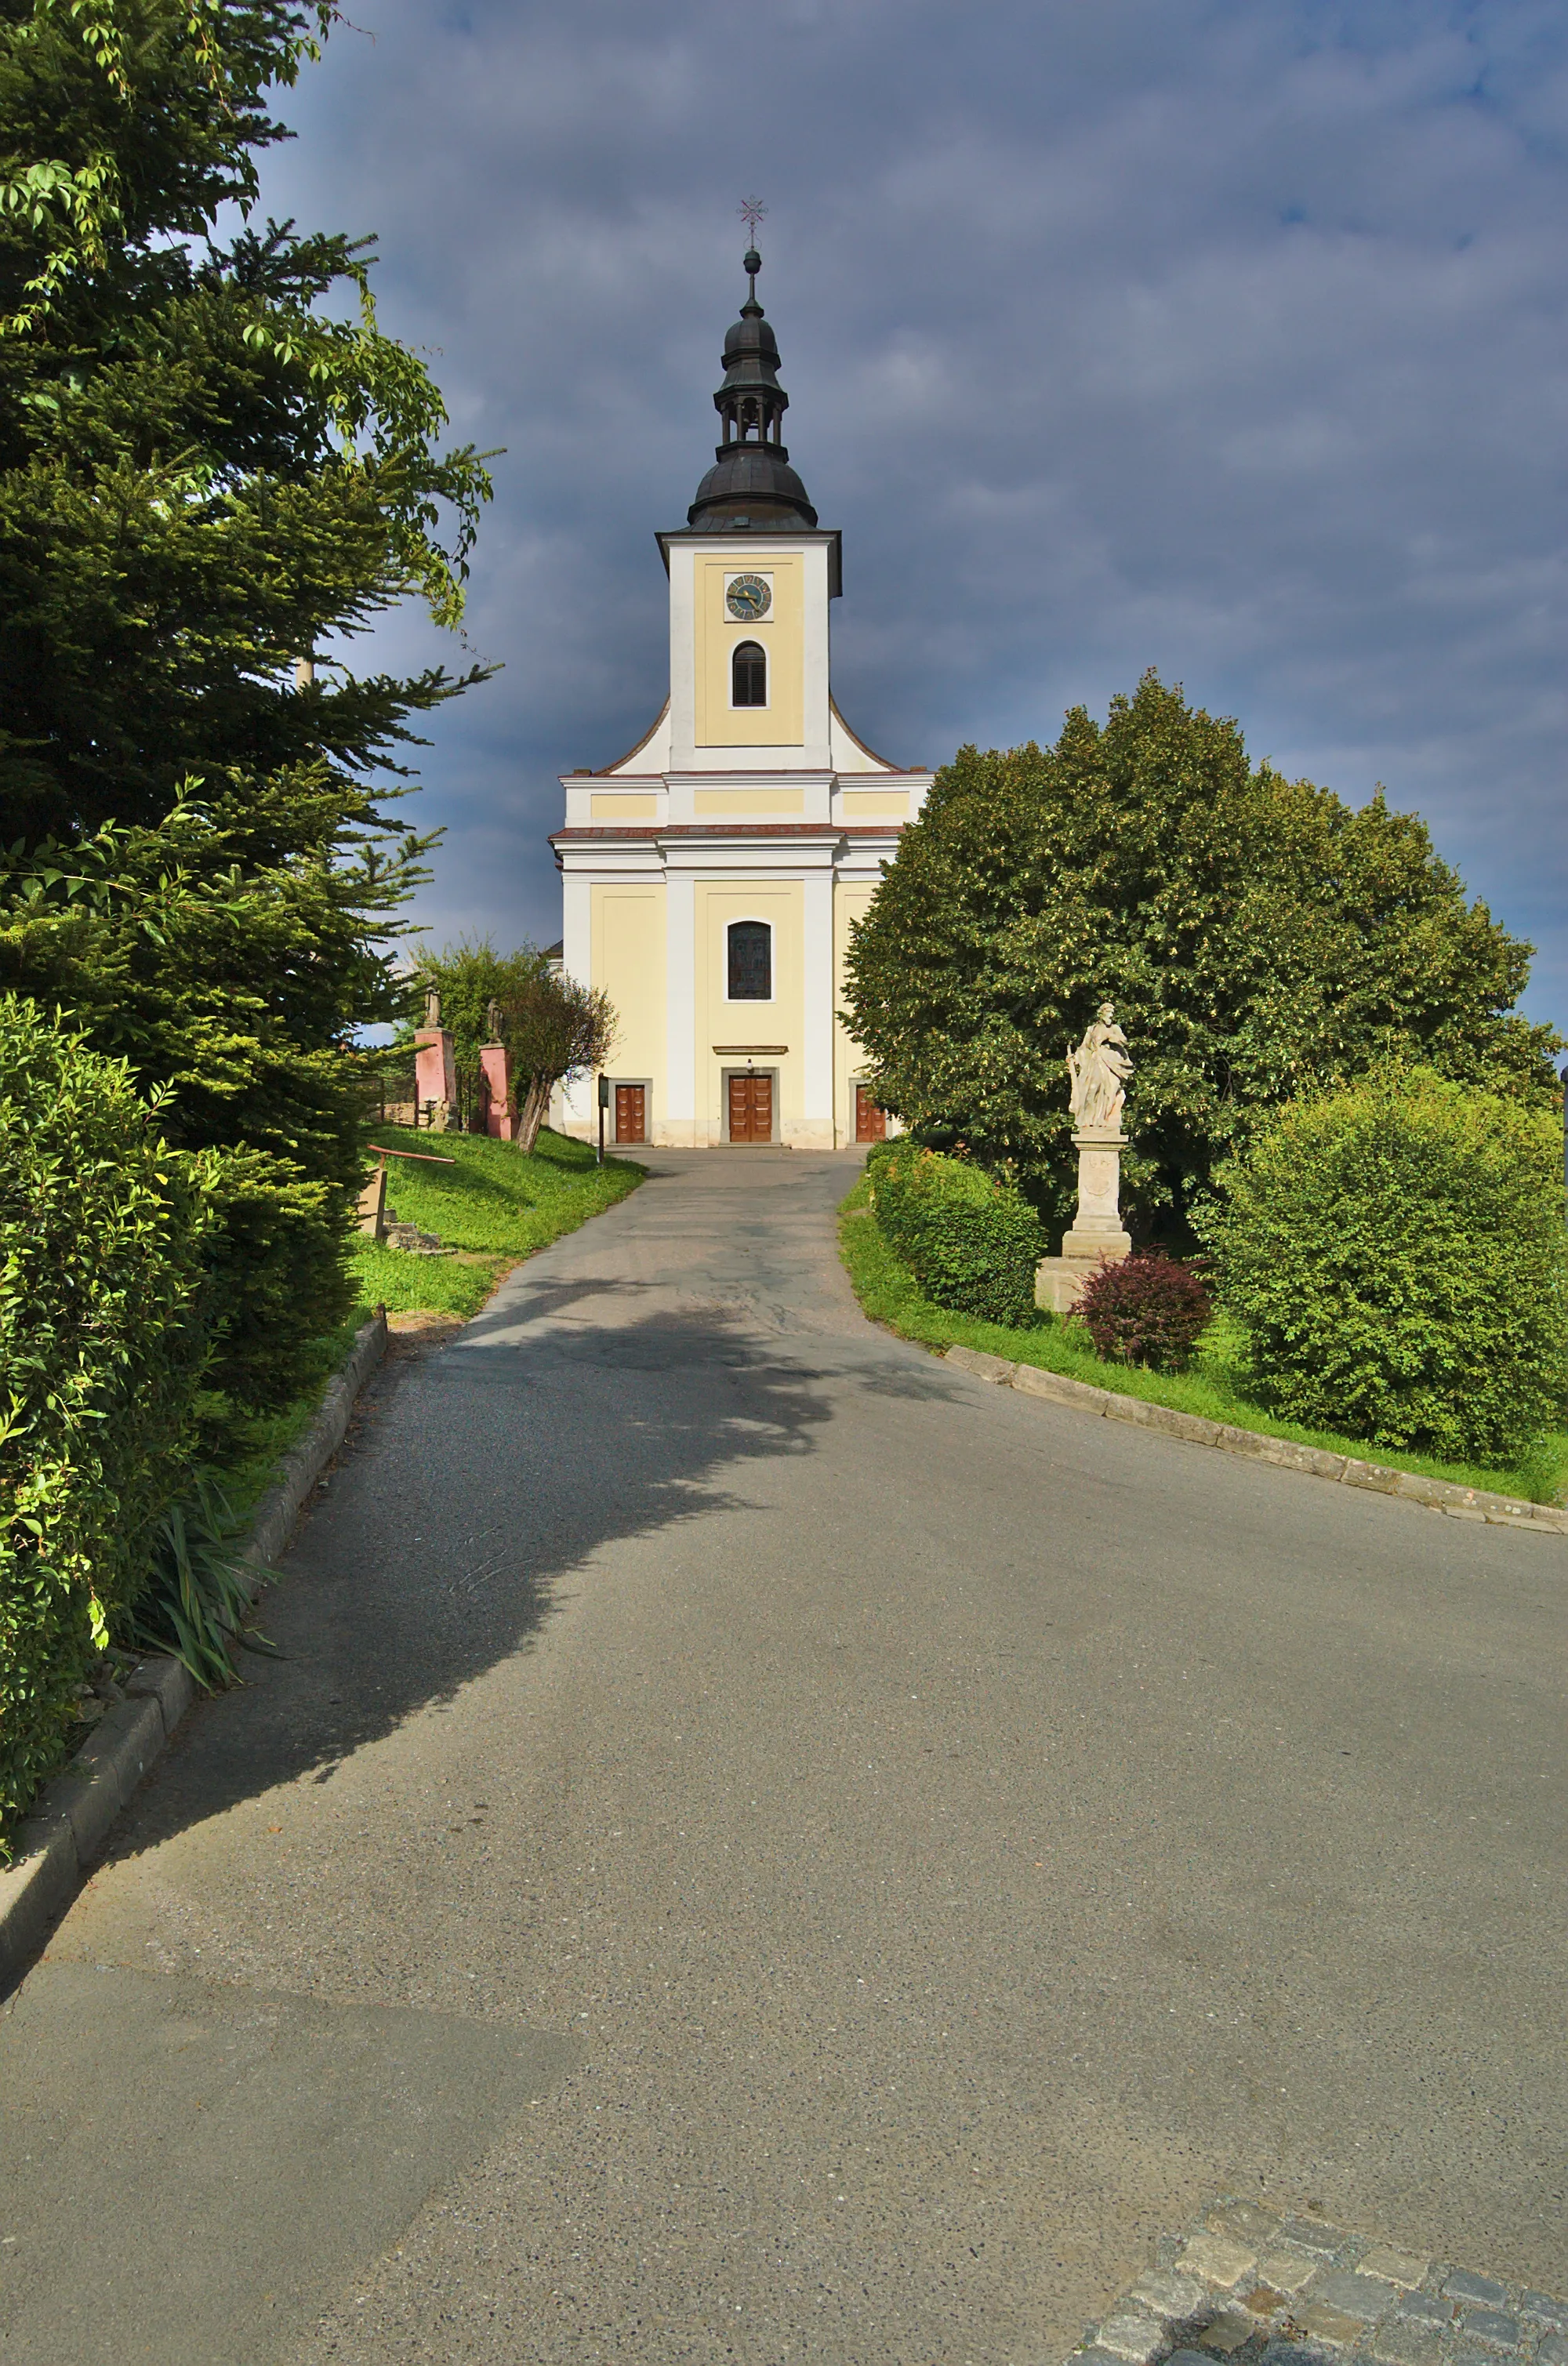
<point>748,675</point>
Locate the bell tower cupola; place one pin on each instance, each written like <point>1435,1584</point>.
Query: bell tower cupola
<point>751,487</point>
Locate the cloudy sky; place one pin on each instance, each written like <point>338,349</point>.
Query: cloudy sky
<point>1223,338</point>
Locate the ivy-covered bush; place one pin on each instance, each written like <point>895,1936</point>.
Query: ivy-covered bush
<point>970,1242</point>
<point>1147,1309</point>
<point>1398,1255</point>
<point>101,1354</point>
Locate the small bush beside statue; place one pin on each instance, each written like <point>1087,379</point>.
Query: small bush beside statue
<point>1147,1309</point>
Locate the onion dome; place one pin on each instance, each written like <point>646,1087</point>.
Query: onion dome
<point>751,483</point>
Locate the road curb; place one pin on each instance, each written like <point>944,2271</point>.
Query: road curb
<point>77,1810</point>
<point>1408,1486</point>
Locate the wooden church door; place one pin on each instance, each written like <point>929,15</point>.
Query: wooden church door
<point>750,1108</point>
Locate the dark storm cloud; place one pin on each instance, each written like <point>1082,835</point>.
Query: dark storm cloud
<point>1227,339</point>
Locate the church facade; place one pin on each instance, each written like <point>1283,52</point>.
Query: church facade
<point>710,877</point>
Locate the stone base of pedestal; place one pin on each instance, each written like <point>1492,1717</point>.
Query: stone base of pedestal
<point>1059,1281</point>
<point>1087,1245</point>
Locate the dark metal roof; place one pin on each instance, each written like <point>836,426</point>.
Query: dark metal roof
<point>752,486</point>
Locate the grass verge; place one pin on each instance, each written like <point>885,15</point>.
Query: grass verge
<point>492,1205</point>
<point>890,1295</point>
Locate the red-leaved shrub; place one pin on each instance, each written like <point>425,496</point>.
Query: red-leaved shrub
<point>1147,1310</point>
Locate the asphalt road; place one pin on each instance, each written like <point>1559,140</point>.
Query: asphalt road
<point>765,1848</point>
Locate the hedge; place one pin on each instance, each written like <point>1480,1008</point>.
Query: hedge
<point>101,1353</point>
<point>1398,1255</point>
<point>970,1242</point>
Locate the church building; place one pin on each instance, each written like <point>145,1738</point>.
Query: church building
<point>709,877</point>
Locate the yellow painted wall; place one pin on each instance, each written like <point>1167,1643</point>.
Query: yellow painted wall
<point>874,805</point>
<point>738,801</point>
<point>624,805</point>
<point>719,1020</point>
<point>626,953</point>
<point>852,900</point>
<point>782,723</point>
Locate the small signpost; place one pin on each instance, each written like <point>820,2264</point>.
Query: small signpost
<point>604,1105</point>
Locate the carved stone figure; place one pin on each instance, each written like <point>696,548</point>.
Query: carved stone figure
<point>432,1007</point>
<point>493,1018</point>
<point>1099,1069</point>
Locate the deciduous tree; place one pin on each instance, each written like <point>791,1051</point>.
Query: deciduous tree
<point>1258,936</point>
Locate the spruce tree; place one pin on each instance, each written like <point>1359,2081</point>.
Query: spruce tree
<point>213,470</point>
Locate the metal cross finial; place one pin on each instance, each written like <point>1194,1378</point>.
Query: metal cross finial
<point>751,210</point>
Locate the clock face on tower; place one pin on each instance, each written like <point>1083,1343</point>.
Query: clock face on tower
<point>747,597</point>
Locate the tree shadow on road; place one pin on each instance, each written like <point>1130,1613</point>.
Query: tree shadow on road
<point>479,1474</point>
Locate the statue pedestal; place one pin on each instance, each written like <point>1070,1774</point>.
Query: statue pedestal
<point>436,1077</point>
<point>495,1064</point>
<point>1096,1231</point>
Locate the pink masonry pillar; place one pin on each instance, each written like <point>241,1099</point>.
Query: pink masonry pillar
<point>495,1060</point>
<point>436,1076</point>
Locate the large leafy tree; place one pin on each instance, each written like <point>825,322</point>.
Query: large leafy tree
<point>215,466</point>
<point>1258,935</point>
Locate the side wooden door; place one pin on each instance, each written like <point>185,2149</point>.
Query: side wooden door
<point>871,1123</point>
<point>631,1112</point>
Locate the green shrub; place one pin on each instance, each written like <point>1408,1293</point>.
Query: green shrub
<point>972,1242</point>
<point>1398,1255</point>
<point>101,1354</point>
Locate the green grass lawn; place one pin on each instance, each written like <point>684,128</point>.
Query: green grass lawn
<point>891,1295</point>
<point>492,1205</point>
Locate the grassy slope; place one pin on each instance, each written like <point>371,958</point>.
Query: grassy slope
<point>493,1206</point>
<point>890,1294</point>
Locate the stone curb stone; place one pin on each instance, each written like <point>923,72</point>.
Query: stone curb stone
<point>76,1812</point>
<point>1167,1419</point>
<point>303,1465</point>
<point>1030,1381</point>
<point>1282,1453</point>
<point>168,1682</point>
<point>984,1366</point>
<point>105,1772</point>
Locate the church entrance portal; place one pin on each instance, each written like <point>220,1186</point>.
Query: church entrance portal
<point>871,1123</point>
<point>752,1107</point>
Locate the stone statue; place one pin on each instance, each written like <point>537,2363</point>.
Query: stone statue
<point>493,1019</point>
<point>433,1008</point>
<point>1099,1069</point>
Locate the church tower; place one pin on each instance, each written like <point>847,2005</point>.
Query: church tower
<point>709,877</point>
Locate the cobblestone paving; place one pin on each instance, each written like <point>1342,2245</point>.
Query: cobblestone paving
<point>1258,2288</point>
